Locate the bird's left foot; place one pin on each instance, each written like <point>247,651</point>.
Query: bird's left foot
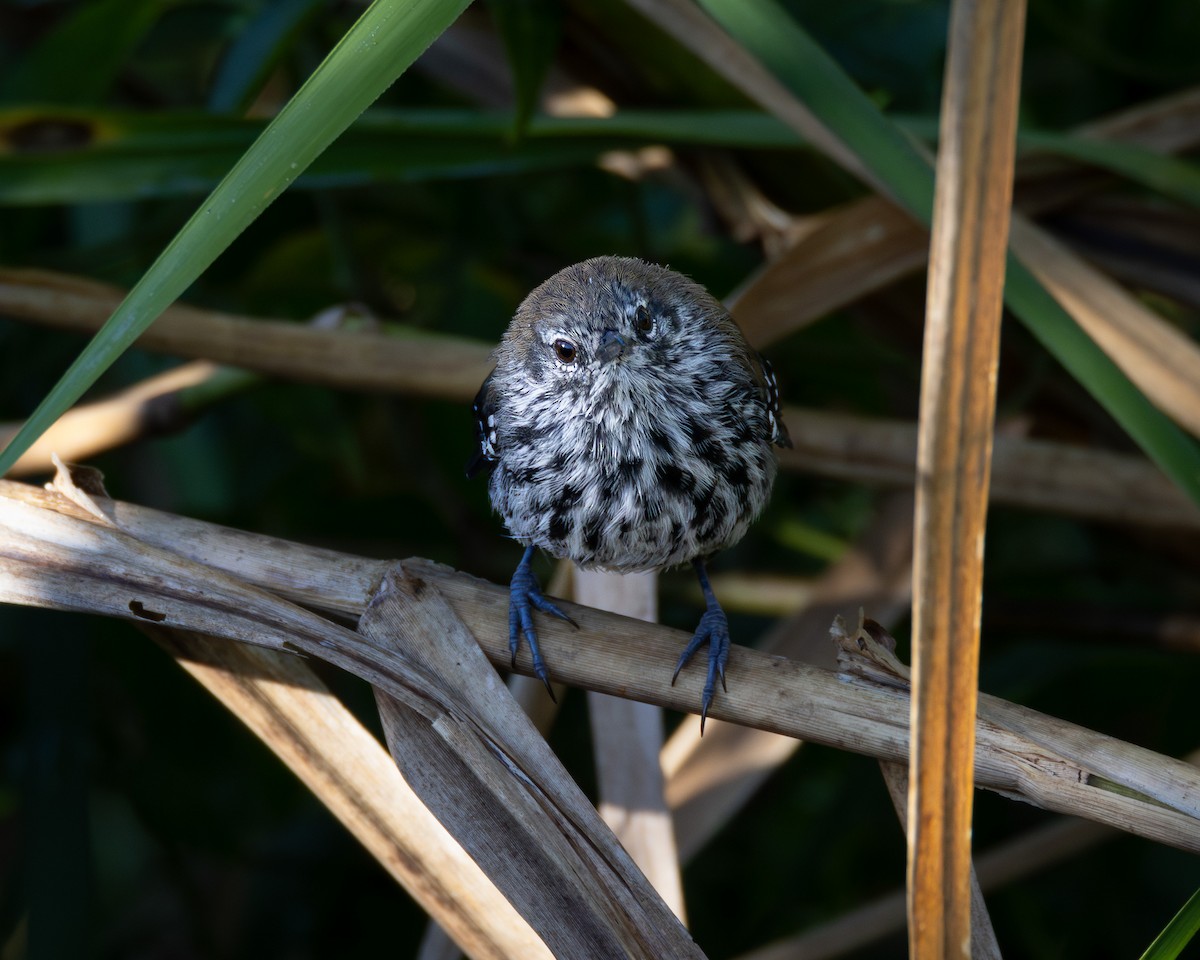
<point>713,630</point>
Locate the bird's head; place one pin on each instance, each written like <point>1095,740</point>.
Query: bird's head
<point>610,330</point>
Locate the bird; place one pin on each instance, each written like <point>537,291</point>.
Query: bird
<point>627,425</point>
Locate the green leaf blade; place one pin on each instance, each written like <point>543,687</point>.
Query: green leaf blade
<point>1178,933</point>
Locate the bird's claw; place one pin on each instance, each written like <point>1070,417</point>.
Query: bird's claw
<point>524,594</point>
<point>713,630</point>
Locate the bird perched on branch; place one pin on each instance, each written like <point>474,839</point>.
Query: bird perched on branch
<point>628,426</point>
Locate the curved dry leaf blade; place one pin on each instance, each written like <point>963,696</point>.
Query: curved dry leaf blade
<point>287,706</point>
<point>485,772</point>
<point>1153,354</point>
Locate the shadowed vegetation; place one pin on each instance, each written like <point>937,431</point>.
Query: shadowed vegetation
<point>141,816</point>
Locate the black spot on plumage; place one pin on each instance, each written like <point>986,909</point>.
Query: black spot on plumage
<point>591,534</point>
<point>523,474</point>
<point>569,497</point>
<point>662,441</point>
<point>716,455</point>
<point>676,533</point>
<point>527,435</point>
<point>560,526</point>
<point>674,478</point>
<point>629,470</point>
<point>702,501</point>
<point>745,433</point>
<point>711,520</point>
<point>707,445</point>
<point>610,484</point>
<point>699,432</point>
<point>737,474</point>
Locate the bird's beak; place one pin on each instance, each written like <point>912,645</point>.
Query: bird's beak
<point>612,345</point>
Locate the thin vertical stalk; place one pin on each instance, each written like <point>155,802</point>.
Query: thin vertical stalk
<point>627,737</point>
<point>966,283</point>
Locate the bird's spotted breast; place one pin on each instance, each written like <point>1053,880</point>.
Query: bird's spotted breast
<point>646,496</point>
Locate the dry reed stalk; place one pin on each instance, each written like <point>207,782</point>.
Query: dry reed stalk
<point>128,415</point>
<point>1158,357</point>
<point>138,564</point>
<point>358,359</point>
<point>1076,481</point>
<point>961,356</point>
<point>1166,125</point>
<point>626,739</point>
<point>472,756</point>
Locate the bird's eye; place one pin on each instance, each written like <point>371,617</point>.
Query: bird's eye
<point>642,319</point>
<point>564,350</point>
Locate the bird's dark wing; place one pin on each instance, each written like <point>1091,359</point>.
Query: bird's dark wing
<point>485,455</point>
<point>779,432</point>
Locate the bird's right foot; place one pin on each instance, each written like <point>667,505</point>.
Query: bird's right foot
<point>523,595</point>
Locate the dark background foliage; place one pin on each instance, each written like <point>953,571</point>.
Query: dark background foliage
<point>138,819</point>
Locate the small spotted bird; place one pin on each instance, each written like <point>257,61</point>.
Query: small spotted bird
<point>628,426</point>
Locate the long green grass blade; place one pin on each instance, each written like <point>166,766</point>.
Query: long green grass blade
<point>109,155</point>
<point>896,163</point>
<point>1172,177</point>
<point>128,156</point>
<point>140,158</point>
<point>1178,933</point>
<point>112,155</point>
<point>377,49</point>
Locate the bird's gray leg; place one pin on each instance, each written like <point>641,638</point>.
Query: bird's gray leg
<point>713,630</point>
<point>524,594</point>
